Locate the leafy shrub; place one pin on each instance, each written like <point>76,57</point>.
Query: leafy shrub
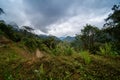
<point>30,43</point>
<point>86,57</point>
<point>1,32</point>
<point>16,37</point>
<point>63,48</point>
<point>51,42</point>
<point>43,47</point>
<point>9,32</point>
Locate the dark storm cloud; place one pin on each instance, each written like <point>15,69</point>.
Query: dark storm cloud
<point>48,11</point>
<point>45,12</point>
<point>49,8</point>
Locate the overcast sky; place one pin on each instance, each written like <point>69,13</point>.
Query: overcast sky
<point>57,17</point>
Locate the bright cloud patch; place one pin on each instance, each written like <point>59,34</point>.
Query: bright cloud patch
<point>74,24</point>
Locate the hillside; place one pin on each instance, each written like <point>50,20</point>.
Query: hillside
<point>17,63</point>
<point>68,38</point>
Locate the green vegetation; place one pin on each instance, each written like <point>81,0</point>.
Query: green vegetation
<point>63,48</point>
<point>86,66</point>
<point>107,50</point>
<point>93,55</point>
<point>86,57</point>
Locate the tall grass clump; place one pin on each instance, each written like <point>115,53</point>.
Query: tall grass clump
<point>85,56</point>
<point>40,73</point>
<point>107,50</point>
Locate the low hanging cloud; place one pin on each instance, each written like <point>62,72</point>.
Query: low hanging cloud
<point>57,17</point>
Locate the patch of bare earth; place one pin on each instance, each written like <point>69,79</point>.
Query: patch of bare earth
<point>39,54</point>
<point>36,56</point>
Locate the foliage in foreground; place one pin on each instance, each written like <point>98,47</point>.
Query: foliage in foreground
<point>73,67</point>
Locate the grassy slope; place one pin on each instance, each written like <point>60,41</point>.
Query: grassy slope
<point>17,64</point>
